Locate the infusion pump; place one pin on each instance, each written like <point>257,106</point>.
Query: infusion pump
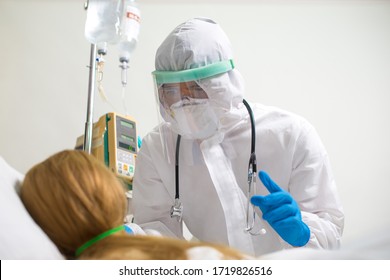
<point>114,141</point>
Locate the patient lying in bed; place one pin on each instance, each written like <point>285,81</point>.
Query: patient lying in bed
<point>80,205</point>
<point>64,195</point>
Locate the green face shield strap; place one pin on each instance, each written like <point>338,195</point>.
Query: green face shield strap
<point>163,77</point>
<point>98,238</point>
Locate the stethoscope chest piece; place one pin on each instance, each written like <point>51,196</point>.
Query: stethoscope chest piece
<point>177,210</point>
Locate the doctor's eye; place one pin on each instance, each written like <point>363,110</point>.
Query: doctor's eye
<point>169,94</point>
<point>195,88</point>
<point>197,91</point>
<point>170,91</point>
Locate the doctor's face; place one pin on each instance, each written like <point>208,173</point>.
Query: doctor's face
<point>174,92</point>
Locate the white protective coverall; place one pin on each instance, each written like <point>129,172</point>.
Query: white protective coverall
<point>213,171</point>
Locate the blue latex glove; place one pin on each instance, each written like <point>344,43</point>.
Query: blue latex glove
<point>281,211</point>
<point>128,229</point>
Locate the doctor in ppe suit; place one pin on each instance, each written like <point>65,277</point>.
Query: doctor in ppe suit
<point>193,167</point>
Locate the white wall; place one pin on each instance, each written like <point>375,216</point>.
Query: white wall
<point>326,60</point>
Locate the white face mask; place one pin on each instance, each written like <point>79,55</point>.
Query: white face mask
<point>192,118</point>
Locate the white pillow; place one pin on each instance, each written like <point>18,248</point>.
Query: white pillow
<point>20,237</point>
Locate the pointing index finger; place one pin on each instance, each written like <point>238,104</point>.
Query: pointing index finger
<point>268,183</point>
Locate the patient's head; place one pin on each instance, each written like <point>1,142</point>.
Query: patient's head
<point>74,197</point>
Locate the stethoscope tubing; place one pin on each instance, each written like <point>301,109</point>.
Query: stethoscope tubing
<point>252,159</point>
<point>177,192</point>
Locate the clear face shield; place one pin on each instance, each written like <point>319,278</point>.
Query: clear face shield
<point>183,104</point>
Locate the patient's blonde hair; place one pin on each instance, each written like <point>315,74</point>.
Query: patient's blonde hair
<point>74,197</point>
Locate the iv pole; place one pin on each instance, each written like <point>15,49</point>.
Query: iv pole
<point>91,93</point>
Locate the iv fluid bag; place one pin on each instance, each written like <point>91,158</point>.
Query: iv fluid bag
<point>129,30</point>
<point>103,21</point>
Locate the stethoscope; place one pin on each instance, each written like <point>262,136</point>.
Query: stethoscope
<point>177,208</point>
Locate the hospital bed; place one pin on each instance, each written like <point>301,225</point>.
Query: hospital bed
<point>20,237</point>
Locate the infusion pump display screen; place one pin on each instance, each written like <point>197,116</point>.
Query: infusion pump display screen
<point>126,140</point>
<point>126,134</point>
